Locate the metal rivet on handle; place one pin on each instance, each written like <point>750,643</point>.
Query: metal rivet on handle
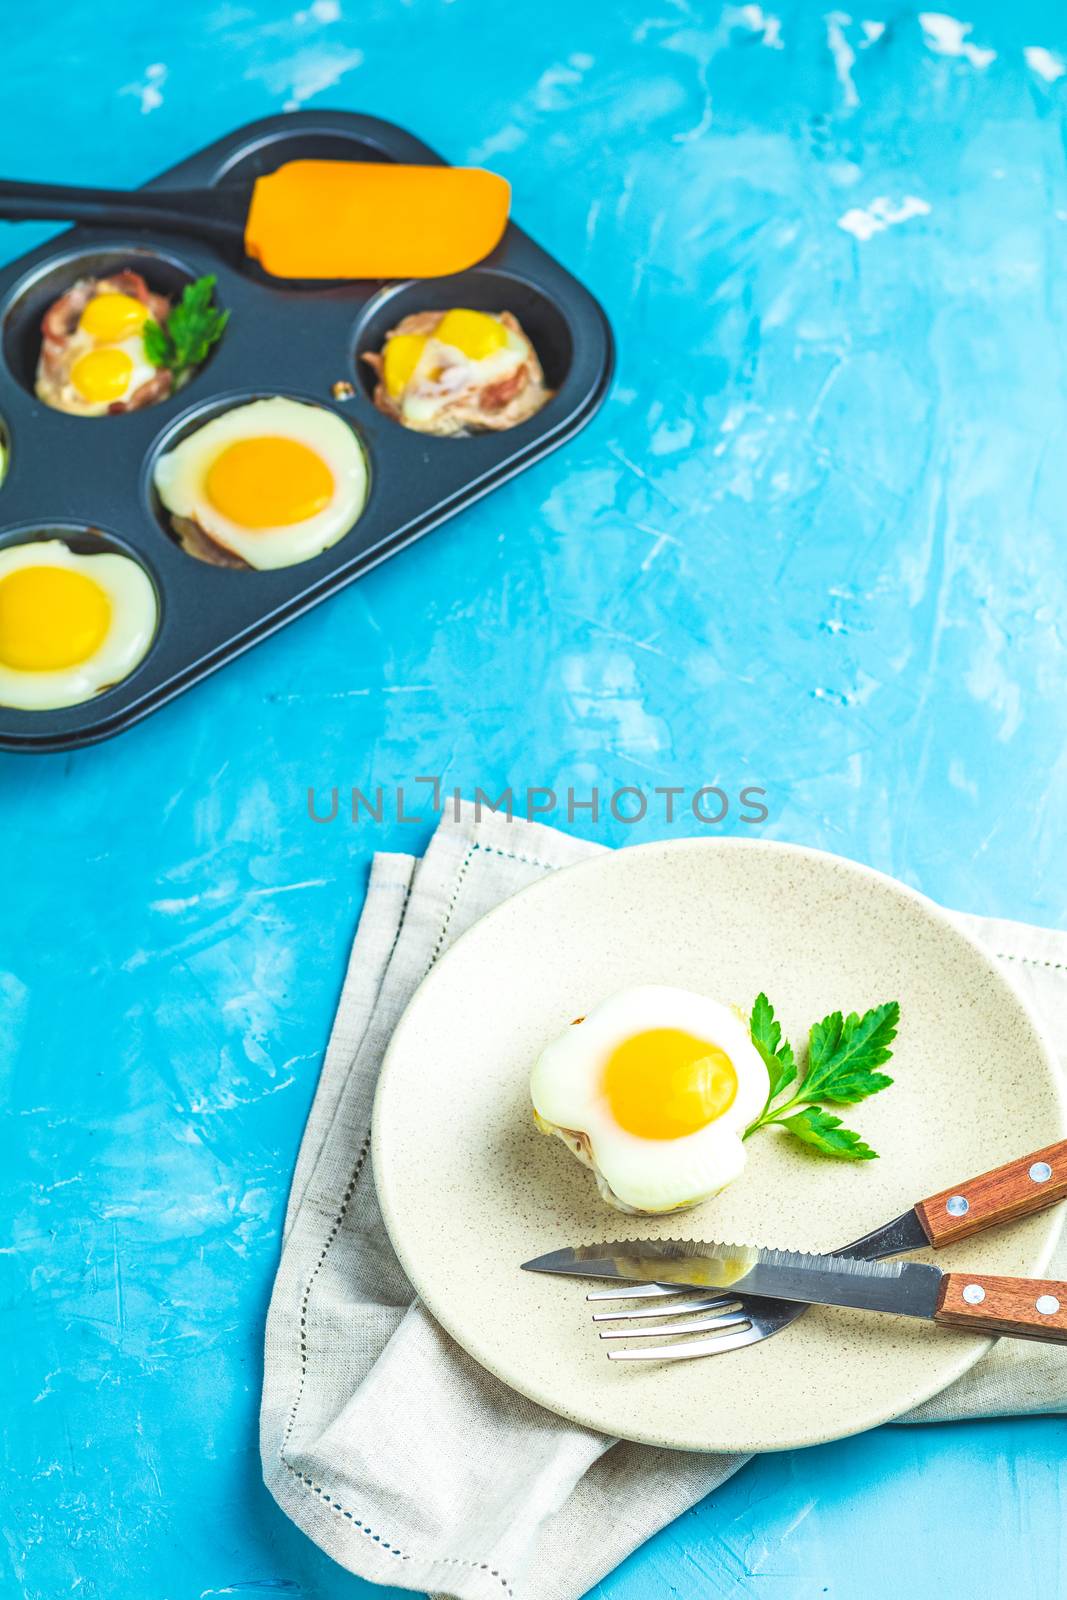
<point>957,1205</point>
<point>1040,1172</point>
<point>974,1294</point>
<point>1047,1304</point>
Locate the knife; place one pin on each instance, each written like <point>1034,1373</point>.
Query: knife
<point>1024,1308</point>
<point>1017,1189</point>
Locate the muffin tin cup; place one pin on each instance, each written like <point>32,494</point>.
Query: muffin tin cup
<point>293,339</point>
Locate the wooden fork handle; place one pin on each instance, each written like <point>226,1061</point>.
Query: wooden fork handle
<point>1017,1189</point>
<point>1026,1308</point>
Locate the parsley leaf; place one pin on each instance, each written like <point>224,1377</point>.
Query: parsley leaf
<point>824,1133</point>
<point>767,1037</point>
<point>194,325</point>
<point>157,346</point>
<point>842,1060</point>
<point>842,1055</point>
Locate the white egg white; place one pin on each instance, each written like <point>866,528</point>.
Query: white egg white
<point>132,627</point>
<point>180,475</point>
<point>638,1174</point>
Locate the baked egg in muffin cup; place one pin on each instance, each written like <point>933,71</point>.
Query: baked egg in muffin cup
<point>263,485</point>
<point>457,372</point>
<point>110,344</point>
<point>71,624</point>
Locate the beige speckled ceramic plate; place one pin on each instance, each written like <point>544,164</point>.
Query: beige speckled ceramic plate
<point>470,1189</point>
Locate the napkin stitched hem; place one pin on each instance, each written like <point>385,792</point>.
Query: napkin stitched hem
<point>434,1567</point>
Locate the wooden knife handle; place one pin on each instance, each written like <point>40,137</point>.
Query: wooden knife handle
<point>1026,1308</point>
<point>1017,1189</point>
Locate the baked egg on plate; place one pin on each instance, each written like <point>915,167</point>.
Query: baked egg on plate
<point>71,625</point>
<point>653,1091</point>
<point>264,485</point>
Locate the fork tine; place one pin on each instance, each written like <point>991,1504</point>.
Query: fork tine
<point>732,1319</point>
<point>722,1302</point>
<point>688,1348</point>
<point>634,1291</point>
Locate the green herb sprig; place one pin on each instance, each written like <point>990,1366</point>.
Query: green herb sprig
<point>844,1054</point>
<point>194,325</point>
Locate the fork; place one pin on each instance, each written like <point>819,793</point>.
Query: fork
<point>1020,1188</point>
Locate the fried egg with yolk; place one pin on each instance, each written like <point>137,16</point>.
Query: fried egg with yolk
<point>653,1090</point>
<point>272,483</point>
<point>71,625</point>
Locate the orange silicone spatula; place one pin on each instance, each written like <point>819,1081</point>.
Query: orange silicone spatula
<point>309,219</point>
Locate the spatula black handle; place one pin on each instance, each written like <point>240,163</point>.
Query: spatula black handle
<point>215,214</point>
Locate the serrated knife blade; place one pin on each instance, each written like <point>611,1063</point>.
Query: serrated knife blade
<point>908,1289</point>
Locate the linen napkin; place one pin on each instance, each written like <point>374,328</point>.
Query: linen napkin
<point>393,1450</point>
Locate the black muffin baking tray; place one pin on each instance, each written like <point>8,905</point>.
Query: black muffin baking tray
<point>88,480</point>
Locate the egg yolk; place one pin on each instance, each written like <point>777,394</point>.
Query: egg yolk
<point>666,1083</point>
<point>50,618</point>
<point>401,358</point>
<point>269,482</point>
<point>111,317</point>
<point>102,375</point>
<point>472,333</point>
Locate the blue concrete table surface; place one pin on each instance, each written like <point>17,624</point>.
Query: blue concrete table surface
<point>814,542</point>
